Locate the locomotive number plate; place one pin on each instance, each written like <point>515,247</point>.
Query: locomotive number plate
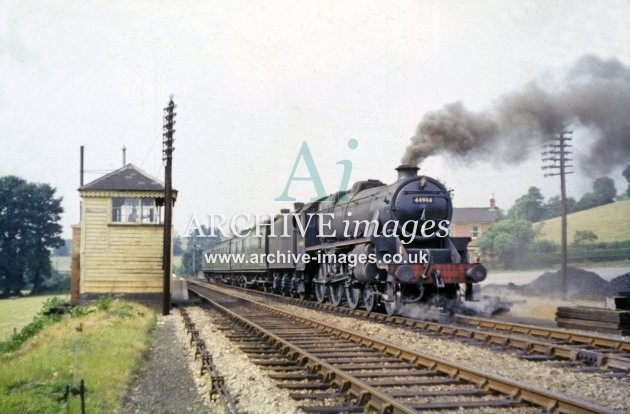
<point>423,200</point>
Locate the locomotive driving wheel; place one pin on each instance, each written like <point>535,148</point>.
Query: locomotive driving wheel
<point>335,293</point>
<point>393,304</point>
<point>370,298</point>
<point>300,289</point>
<point>320,291</point>
<point>319,285</point>
<point>353,296</point>
<point>285,286</point>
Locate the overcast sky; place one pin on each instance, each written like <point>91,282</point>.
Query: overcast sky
<point>254,80</point>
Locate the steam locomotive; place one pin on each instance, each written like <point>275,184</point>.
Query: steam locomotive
<point>375,245</point>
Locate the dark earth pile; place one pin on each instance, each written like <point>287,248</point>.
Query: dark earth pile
<point>619,284</point>
<point>580,284</point>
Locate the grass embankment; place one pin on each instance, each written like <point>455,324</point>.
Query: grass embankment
<point>609,222</point>
<point>114,337</point>
<point>18,312</point>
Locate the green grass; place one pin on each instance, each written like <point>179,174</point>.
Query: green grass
<point>111,347</point>
<point>18,312</point>
<point>610,223</point>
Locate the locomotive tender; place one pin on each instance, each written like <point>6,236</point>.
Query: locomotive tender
<point>375,244</point>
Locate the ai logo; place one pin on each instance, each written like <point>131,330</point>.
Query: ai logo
<point>313,174</point>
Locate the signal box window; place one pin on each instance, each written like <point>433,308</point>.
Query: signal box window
<point>140,210</point>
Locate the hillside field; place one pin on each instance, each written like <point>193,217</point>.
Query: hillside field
<point>611,223</point>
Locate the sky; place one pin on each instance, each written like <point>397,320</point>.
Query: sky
<point>253,81</point>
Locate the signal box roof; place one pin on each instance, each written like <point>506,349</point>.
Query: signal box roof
<point>127,178</point>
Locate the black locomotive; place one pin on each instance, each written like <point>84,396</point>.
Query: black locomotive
<point>374,245</point>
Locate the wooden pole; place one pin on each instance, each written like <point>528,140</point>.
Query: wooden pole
<point>169,122</point>
<point>563,204</point>
<point>557,157</point>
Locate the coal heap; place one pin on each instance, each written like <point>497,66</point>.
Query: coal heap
<point>580,284</point>
<point>619,285</point>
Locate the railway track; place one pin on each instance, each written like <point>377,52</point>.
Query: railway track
<point>217,382</point>
<point>334,370</point>
<point>574,350</point>
<point>598,352</point>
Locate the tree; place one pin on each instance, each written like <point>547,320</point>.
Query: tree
<point>529,206</point>
<point>588,200</point>
<point>604,192</point>
<point>510,240</point>
<point>584,240</point>
<point>29,228</point>
<point>195,247</point>
<point>552,208</point>
<point>604,189</point>
<point>177,246</point>
<point>64,250</point>
<point>626,174</point>
<point>584,236</point>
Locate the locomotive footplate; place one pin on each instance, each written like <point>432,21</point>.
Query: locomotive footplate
<point>438,273</point>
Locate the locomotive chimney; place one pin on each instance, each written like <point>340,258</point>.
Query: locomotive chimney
<point>407,171</point>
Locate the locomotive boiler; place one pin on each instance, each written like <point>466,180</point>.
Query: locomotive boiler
<point>374,245</point>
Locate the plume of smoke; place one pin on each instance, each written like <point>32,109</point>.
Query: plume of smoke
<point>595,94</point>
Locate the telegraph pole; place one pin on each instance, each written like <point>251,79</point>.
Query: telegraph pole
<point>557,159</point>
<point>167,157</point>
<point>81,171</point>
<point>194,261</point>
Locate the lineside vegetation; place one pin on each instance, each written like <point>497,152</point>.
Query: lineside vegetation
<point>39,361</point>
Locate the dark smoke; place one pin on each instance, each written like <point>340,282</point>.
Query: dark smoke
<point>595,94</point>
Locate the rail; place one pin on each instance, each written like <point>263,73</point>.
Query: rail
<point>584,351</point>
<point>510,391</point>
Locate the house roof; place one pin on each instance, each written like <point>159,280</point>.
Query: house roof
<point>474,215</point>
<point>127,178</point>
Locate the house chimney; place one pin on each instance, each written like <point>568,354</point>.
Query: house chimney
<point>407,171</point>
<point>493,206</point>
